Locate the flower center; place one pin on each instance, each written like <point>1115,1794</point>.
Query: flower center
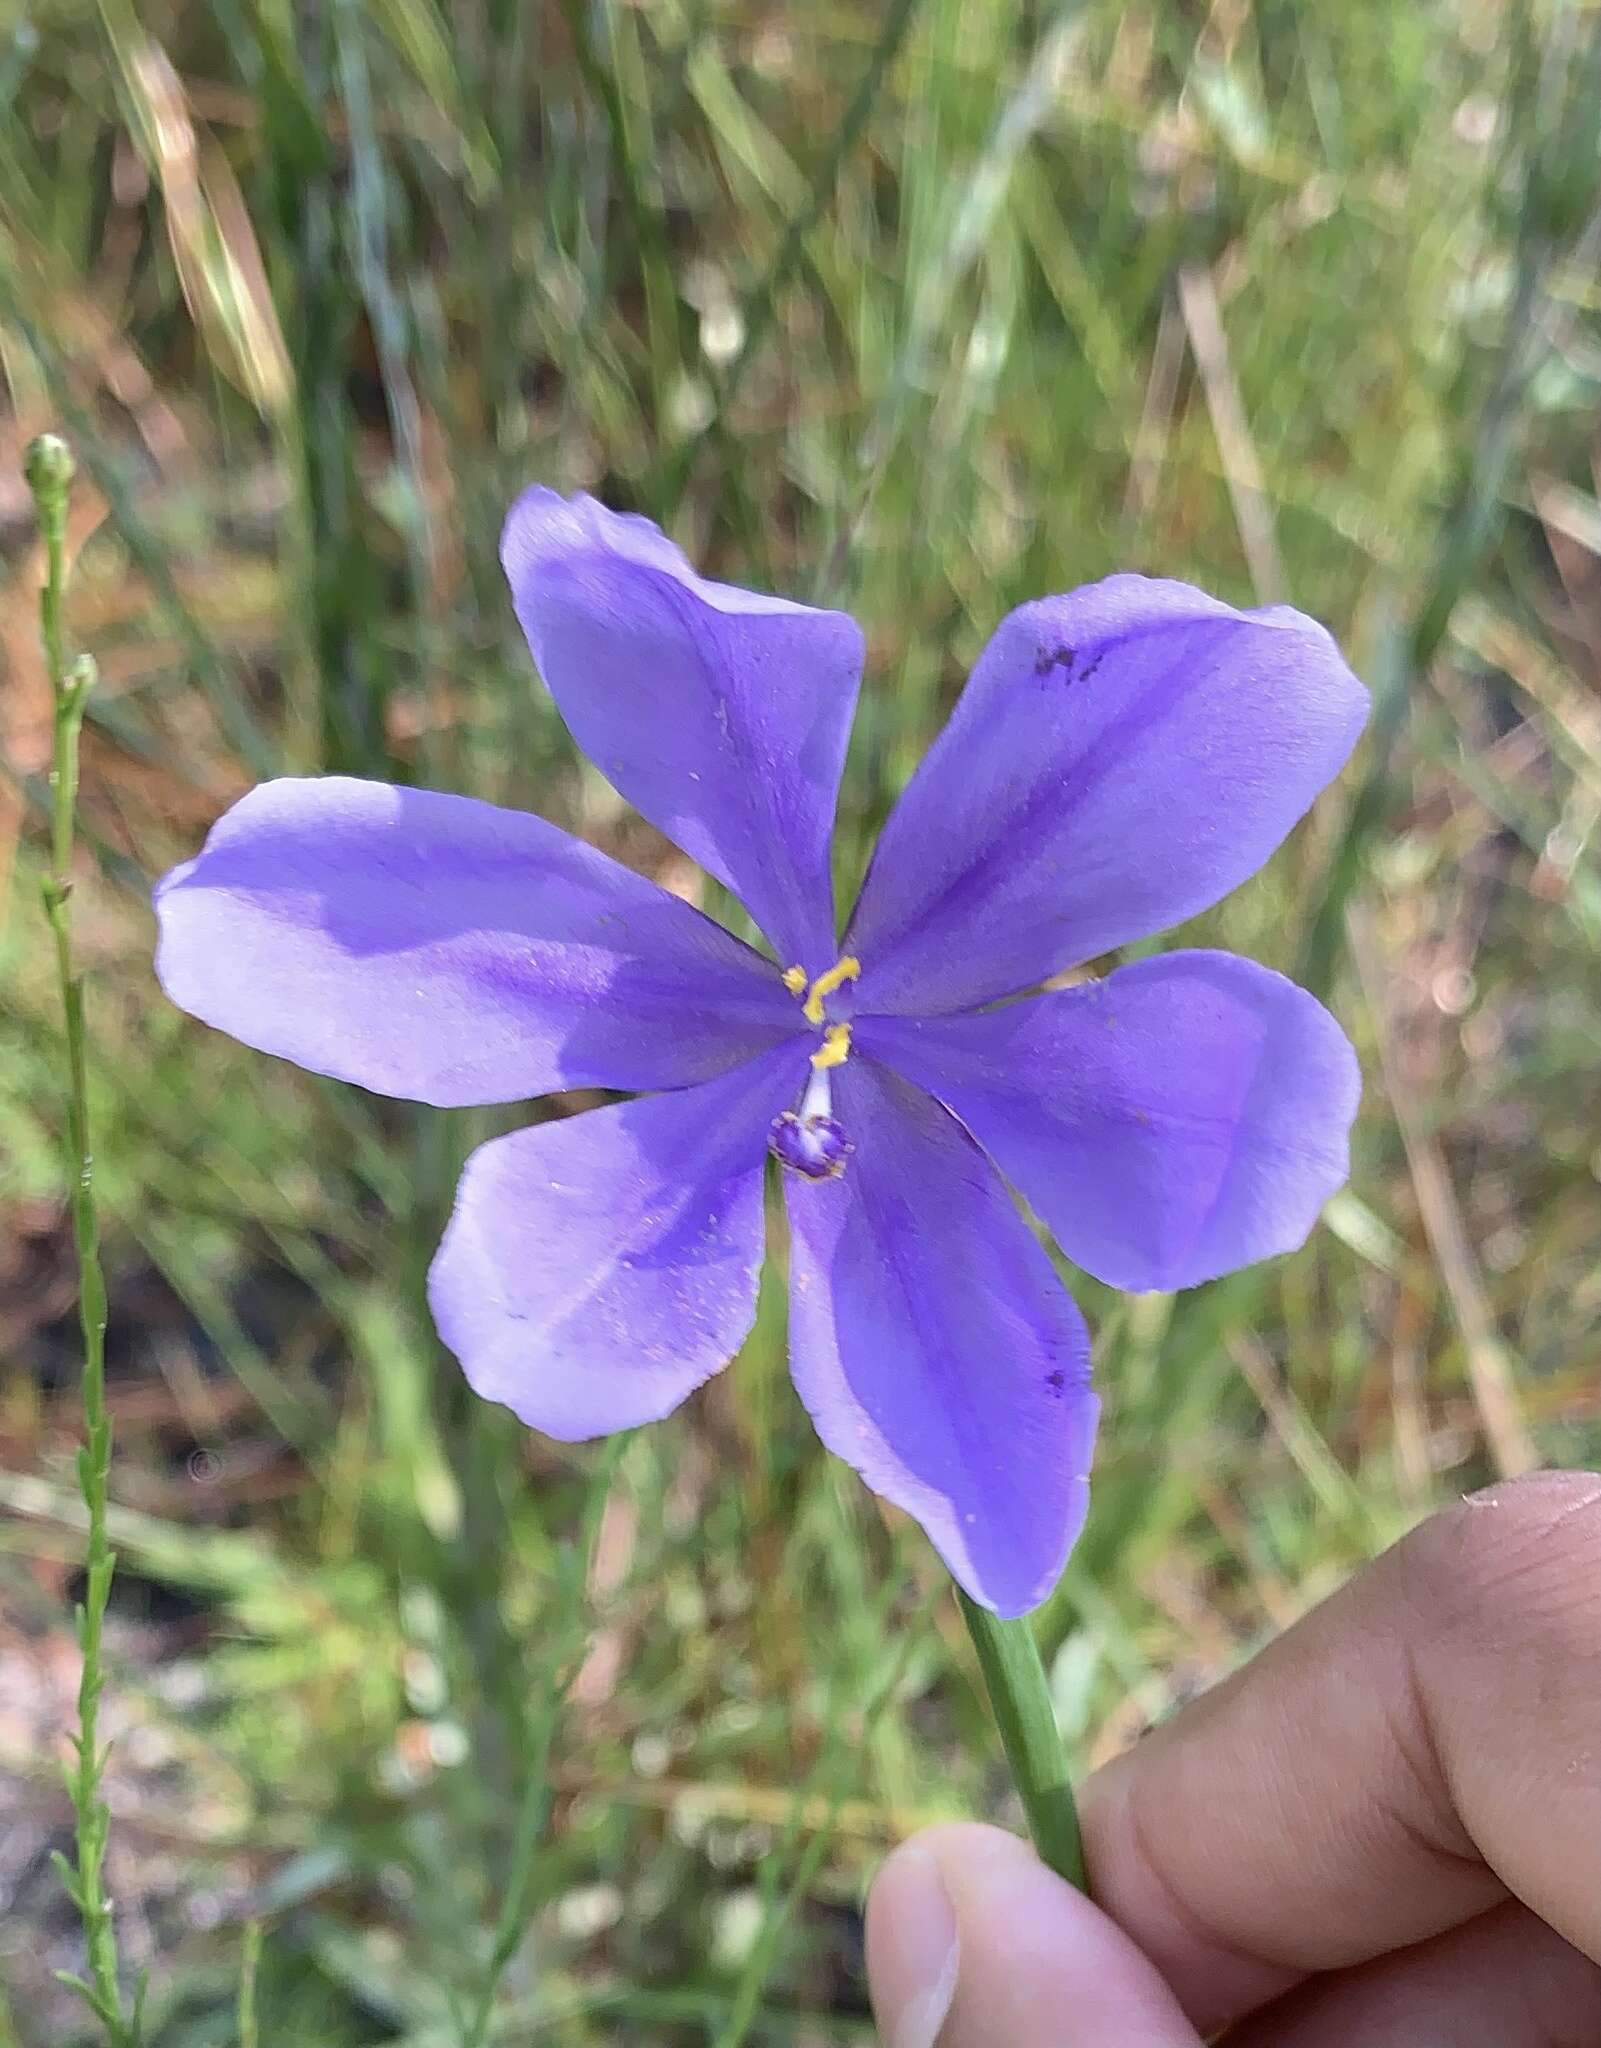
<point>809,1140</point>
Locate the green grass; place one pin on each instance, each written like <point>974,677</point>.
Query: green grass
<point>926,309</point>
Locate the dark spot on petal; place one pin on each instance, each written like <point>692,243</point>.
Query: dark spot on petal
<point>1060,656</point>
<point>1056,1379</point>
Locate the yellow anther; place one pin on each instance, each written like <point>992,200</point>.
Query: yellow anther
<point>835,1049</point>
<point>825,985</point>
<point>795,980</point>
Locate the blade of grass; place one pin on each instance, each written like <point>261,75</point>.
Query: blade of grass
<point>759,306</point>
<point>563,1654</point>
<point>778,1909</point>
<point>1470,526</point>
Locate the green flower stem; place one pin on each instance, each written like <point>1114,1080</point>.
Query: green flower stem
<point>49,471</point>
<point>1014,1677</point>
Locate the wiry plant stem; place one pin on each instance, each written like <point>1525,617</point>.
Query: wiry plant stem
<point>1015,1679</point>
<point>49,472</point>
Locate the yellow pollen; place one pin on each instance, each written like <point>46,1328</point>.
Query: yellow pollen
<point>795,980</point>
<point>835,1049</point>
<point>825,985</point>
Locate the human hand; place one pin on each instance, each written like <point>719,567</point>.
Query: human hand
<point>1384,1832</point>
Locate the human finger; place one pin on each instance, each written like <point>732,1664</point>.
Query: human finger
<point>1411,1752</point>
<point>1504,1980</point>
<point>973,1943</point>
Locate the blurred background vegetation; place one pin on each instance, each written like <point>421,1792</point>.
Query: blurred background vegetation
<point>922,307</point>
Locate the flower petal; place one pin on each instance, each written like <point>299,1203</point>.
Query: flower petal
<point>720,713</point>
<point>1121,758</point>
<point>935,1348</point>
<point>595,1271</point>
<point>1185,1116</point>
<point>441,949</point>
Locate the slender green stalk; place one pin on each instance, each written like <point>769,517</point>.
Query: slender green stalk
<point>49,470</point>
<point>249,1964</point>
<point>1014,1677</point>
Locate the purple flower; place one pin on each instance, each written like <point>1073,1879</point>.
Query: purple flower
<point>1122,757</point>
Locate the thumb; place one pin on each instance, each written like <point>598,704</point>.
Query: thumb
<point>973,1943</point>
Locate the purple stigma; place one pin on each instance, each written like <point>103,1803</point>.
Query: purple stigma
<point>815,1145</point>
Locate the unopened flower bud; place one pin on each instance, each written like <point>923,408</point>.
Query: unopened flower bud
<point>49,466</point>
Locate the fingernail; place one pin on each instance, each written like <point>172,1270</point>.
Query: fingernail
<point>913,1949</point>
